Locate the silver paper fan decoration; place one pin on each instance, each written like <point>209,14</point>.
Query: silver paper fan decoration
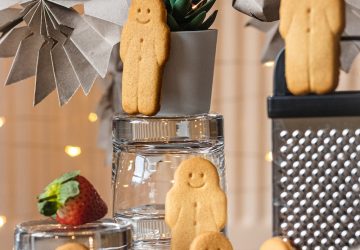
<point>349,49</point>
<point>63,49</point>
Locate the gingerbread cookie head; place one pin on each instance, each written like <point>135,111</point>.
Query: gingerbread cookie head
<point>147,12</point>
<point>211,241</point>
<point>196,173</point>
<point>276,243</point>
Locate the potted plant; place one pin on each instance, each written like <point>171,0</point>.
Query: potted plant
<point>188,76</point>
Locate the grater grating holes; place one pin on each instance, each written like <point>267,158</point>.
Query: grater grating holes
<point>319,187</point>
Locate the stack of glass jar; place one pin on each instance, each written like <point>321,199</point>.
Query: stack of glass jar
<point>147,151</point>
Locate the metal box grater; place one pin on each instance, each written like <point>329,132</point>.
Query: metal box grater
<point>316,167</point>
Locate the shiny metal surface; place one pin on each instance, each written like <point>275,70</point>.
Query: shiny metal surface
<point>316,171</point>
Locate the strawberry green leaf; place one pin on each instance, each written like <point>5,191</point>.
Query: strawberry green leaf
<point>68,190</point>
<point>48,208</point>
<point>57,193</point>
<point>68,176</point>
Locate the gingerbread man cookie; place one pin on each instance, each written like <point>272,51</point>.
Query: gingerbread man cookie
<point>196,203</point>
<point>276,243</point>
<point>144,50</point>
<point>211,241</point>
<point>312,32</point>
<point>72,246</point>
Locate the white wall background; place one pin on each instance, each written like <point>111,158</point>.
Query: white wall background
<point>32,140</point>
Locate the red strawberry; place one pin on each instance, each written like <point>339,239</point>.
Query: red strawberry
<point>72,200</point>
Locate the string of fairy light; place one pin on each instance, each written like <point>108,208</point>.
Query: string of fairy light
<point>71,150</point>
<point>2,220</point>
<point>269,64</point>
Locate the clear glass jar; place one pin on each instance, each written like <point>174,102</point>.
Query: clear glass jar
<point>48,234</point>
<point>147,151</point>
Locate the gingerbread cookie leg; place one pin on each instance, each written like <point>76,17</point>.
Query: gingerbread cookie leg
<point>130,87</point>
<point>294,32</point>
<point>325,46</point>
<point>297,66</point>
<point>131,70</point>
<point>181,241</point>
<point>149,87</point>
<point>324,65</point>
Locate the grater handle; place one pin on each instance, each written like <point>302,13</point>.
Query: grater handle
<point>280,86</point>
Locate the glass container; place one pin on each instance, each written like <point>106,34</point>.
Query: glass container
<point>48,234</point>
<point>147,151</point>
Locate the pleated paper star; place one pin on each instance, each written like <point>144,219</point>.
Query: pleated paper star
<point>62,48</point>
<point>349,49</point>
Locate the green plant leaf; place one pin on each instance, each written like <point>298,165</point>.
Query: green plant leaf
<point>173,25</point>
<point>189,15</point>
<point>207,24</point>
<point>197,21</point>
<point>168,6</point>
<point>181,8</point>
<point>206,7</point>
<point>172,2</point>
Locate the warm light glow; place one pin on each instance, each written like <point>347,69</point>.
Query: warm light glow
<point>73,151</point>
<point>2,121</point>
<point>269,157</point>
<point>93,117</point>
<point>2,221</point>
<point>269,64</point>
<point>125,186</point>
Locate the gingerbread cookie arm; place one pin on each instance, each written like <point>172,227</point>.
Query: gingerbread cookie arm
<point>335,14</point>
<point>162,45</point>
<point>172,209</point>
<point>286,16</point>
<point>125,41</point>
<point>219,208</point>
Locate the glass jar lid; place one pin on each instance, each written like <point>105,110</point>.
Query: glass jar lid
<point>110,232</point>
<point>140,129</point>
